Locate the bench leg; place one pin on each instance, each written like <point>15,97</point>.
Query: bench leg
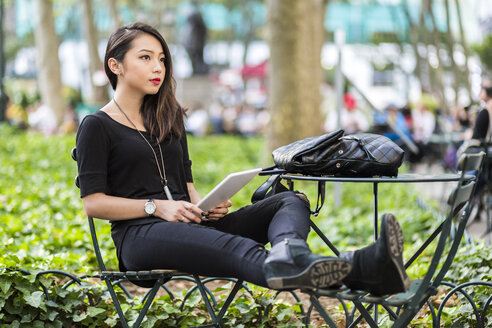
<point>237,286</point>
<point>116,303</point>
<point>365,313</point>
<point>203,292</point>
<point>322,312</point>
<point>148,302</point>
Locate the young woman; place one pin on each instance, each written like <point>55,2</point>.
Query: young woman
<point>481,129</point>
<point>135,171</point>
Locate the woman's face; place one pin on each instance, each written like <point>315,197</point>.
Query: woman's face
<point>488,103</point>
<point>143,68</point>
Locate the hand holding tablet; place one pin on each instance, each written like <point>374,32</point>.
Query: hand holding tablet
<point>227,188</point>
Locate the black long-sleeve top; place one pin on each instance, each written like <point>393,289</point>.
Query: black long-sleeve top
<point>115,160</point>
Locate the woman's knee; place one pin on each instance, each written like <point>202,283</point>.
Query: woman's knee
<point>292,198</point>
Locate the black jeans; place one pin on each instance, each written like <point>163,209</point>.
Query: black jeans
<point>230,247</point>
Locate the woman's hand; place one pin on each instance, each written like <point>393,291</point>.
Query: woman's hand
<point>219,212</point>
<point>177,211</point>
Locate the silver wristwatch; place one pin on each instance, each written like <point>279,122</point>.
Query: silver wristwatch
<point>149,207</point>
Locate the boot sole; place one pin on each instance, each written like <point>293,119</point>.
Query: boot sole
<point>394,240</point>
<point>320,274</point>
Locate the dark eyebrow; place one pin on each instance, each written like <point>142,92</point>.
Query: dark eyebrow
<point>146,50</point>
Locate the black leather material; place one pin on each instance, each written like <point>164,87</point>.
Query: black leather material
<point>360,154</point>
<point>270,187</point>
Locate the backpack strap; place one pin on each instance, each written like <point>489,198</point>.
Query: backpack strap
<point>321,197</point>
<point>270,187</point>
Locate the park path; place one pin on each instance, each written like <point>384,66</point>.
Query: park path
<point>441,190</point>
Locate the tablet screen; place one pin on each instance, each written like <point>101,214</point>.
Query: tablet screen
<point>227,188</point>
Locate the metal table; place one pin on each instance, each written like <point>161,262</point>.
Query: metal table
<point>418,287</point>
<point>402,307</point>
<point>401,178</point>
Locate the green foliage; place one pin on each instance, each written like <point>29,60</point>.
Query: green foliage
<point>472,263</point>
<point>22,92</point>
<point>385,37</point>
<point>72,96</point>
<point>42,226</point>
<point>40,203</point>
<point>484,52</point>
<point>216,156</point>
<point>14,43</point>
<point>24,304</point>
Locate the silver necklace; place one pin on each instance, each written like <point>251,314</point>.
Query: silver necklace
<point>162,173</point>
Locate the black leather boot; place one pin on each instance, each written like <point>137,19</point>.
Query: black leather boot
<point>378,268</point>
<point>291,265</point>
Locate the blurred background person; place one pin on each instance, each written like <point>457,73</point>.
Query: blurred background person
<point>42,119</point>
<point>462,121</point>
<point>424,123</point>
<point>352,120</point>
<point>246,121</point>
<point>481,128</point>
<point>194,39</point>
<point>423,126</point>
<point>392,116</point>
<point>15,114</point>
<point>197,120</point>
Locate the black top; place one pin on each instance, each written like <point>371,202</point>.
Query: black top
<point>481,125</point>
<point>115,160</point>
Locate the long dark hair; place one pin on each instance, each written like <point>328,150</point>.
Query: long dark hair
<point>488,91</point>
<point>162,114</point>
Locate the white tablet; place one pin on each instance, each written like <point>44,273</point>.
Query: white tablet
<point>227,188</point>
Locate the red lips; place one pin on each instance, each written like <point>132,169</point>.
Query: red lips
<point>156,81</point>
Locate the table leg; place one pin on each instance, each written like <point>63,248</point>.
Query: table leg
<point>324,238</point>
<point>290,184</point>
<point>375,193</point>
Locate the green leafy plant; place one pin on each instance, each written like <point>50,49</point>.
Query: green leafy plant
<point>484,52</point>
<point>43,226</point>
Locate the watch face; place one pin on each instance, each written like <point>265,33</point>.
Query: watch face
<point>149,208</point>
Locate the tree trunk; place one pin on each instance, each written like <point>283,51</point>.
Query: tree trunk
<point>414,41</point>
<point>113,9</point>
<point>466,51</point>
<point>49,76</point>
<point>295,37</point>
<point>136,12</point>
<point>450,46</point>
<point>230,34</point>
<point>248,13</point>
<point>99,94</point>
<point>158,11</point>
<point>428,76</point>
<point>440,68</point>
<point>3,102</point>
<point>401,49</point>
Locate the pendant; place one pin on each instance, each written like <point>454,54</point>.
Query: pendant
<point>168,193</point>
